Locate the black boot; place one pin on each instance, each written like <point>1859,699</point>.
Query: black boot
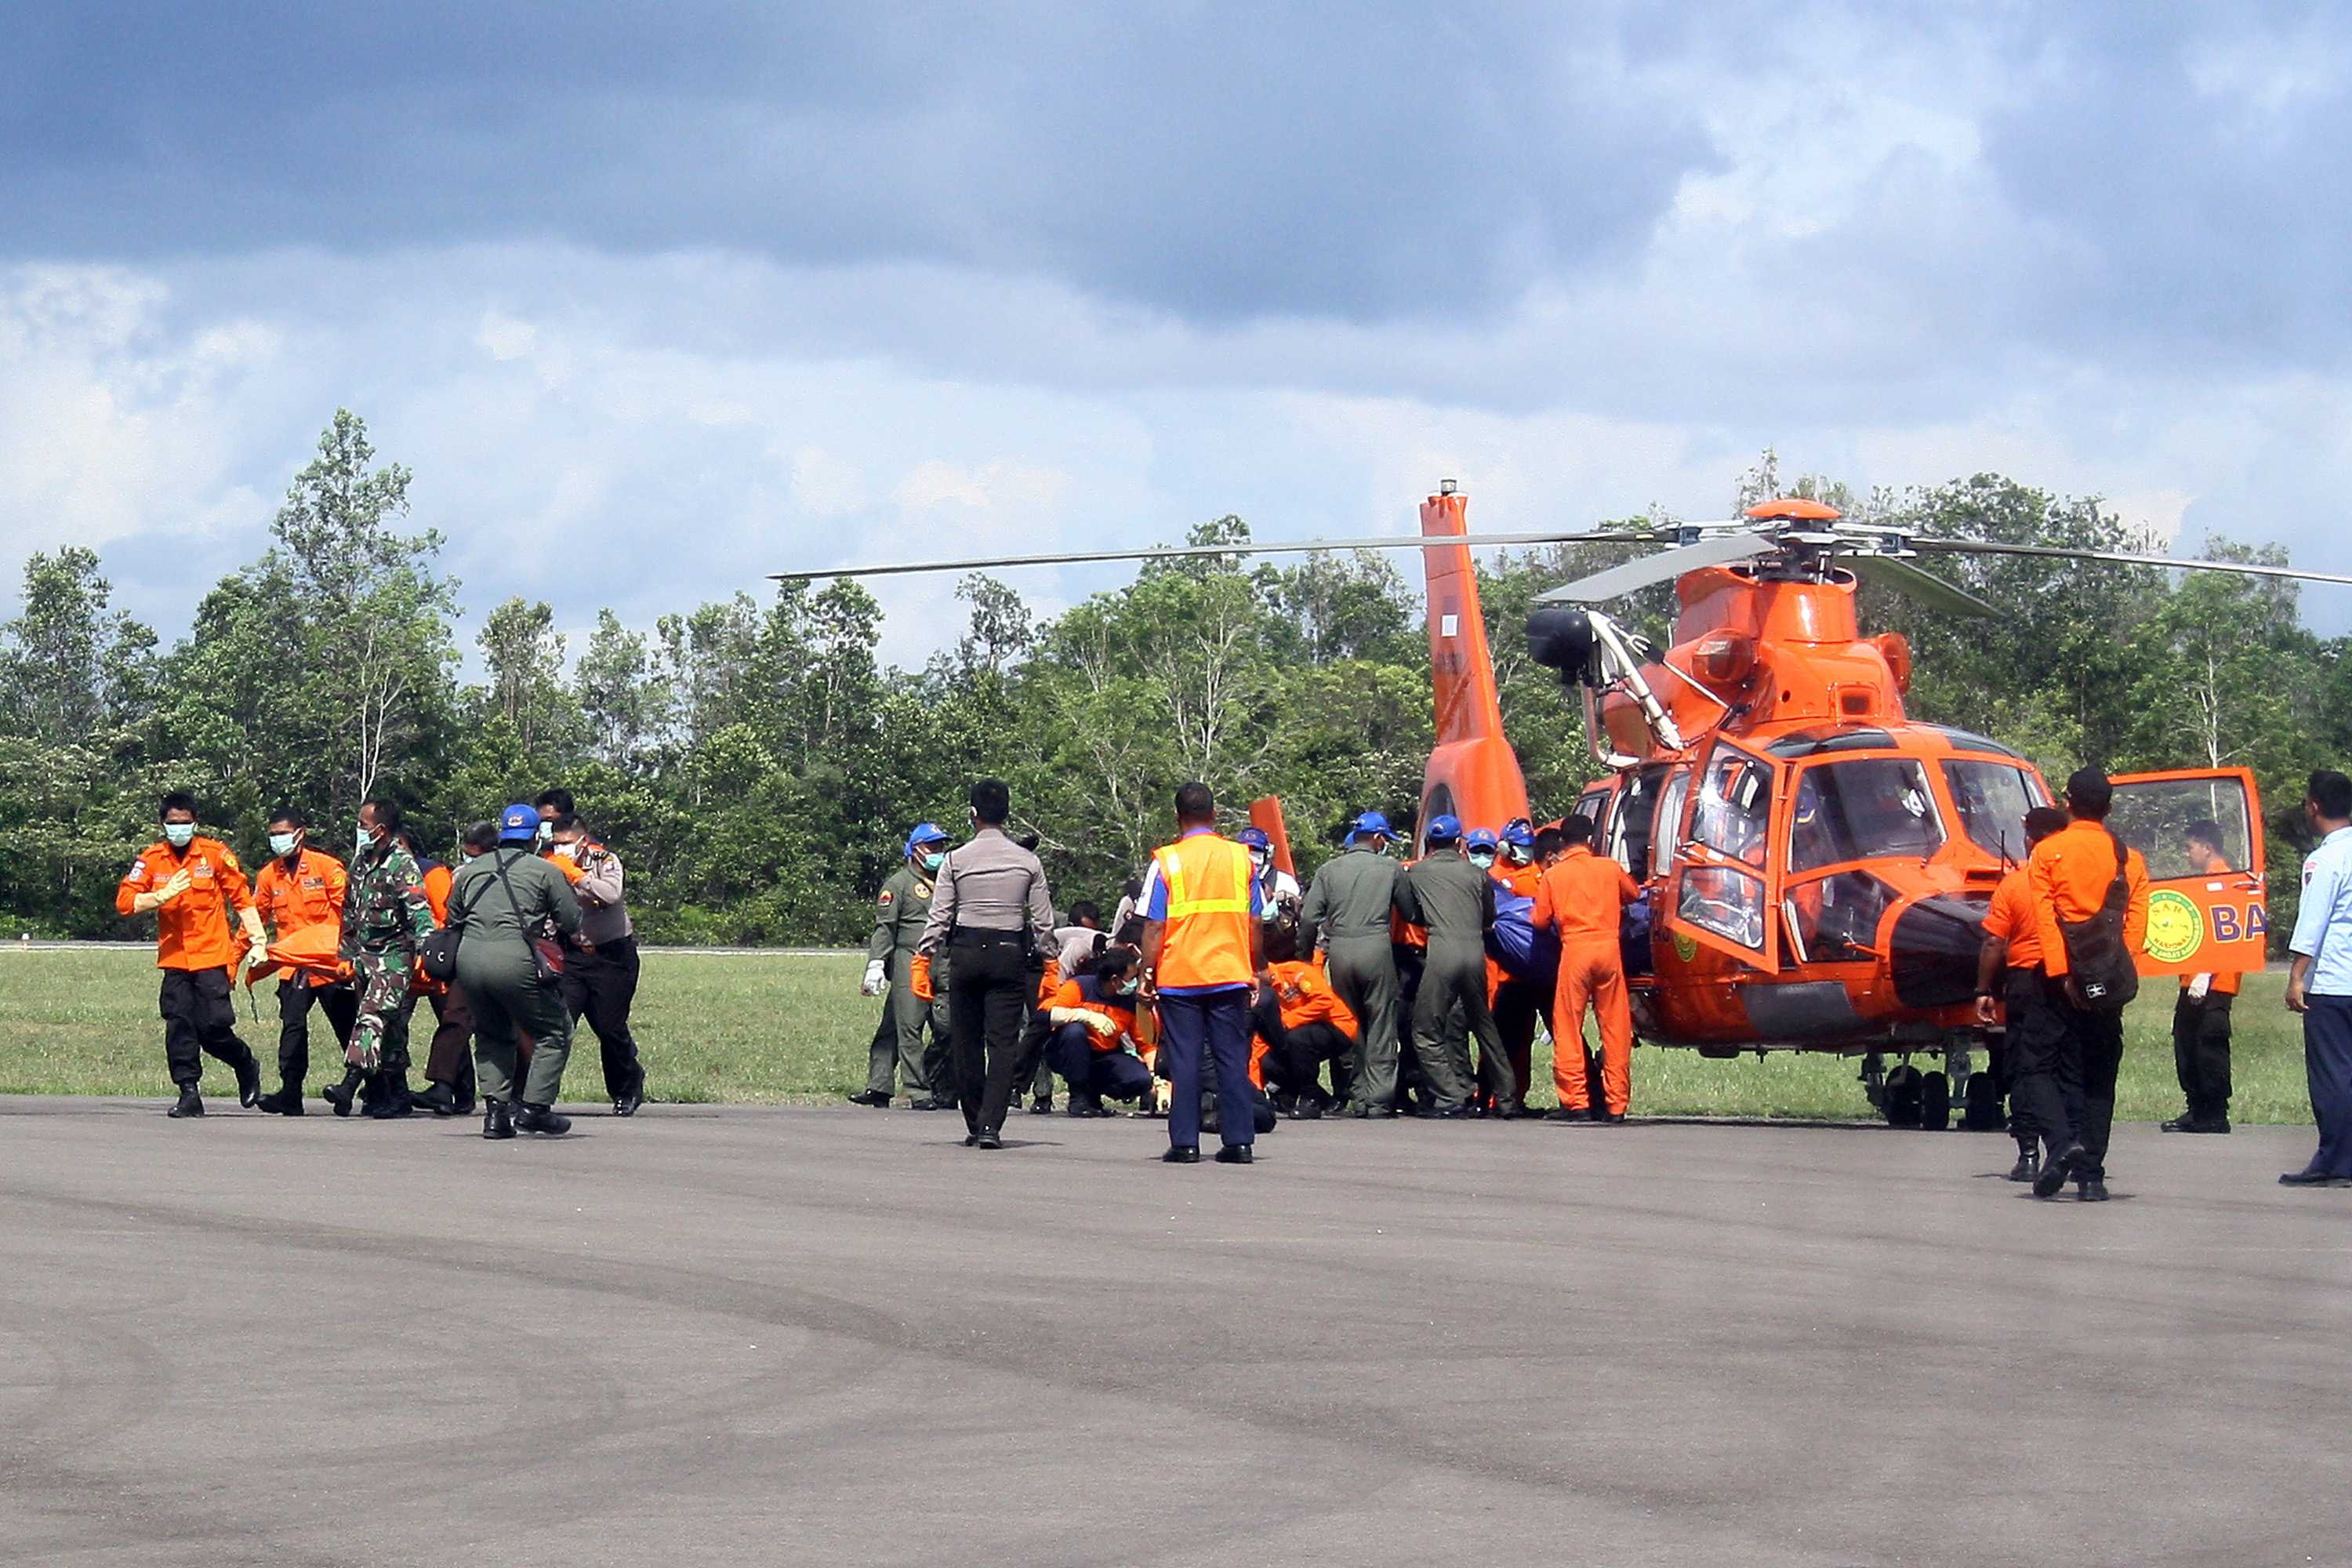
<point>871,1097</point>
<point>2029,1164</point>
<point>391,1097</point>
<point>498,1121</point>
<point>541,1119</point>
<point>191,1103</point>
<point>248,1081</point>
<point>339,1095</point>
<point>439,1099</point>
<point>286,1101</point>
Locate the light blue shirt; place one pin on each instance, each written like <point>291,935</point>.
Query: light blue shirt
<point>2322,922</point>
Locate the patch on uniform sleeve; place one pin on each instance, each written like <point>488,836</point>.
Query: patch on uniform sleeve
<point>228,857</point>
<point>888,896</point>
<point>138,872</point>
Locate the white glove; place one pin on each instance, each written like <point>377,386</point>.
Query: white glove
<point>1101,1025</point>
<point>2198,986</point>
<point>873,986</point>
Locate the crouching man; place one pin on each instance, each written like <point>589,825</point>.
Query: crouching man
<point>1093,1043</point>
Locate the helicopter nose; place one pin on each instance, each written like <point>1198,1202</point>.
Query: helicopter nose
<point>1932,955</point>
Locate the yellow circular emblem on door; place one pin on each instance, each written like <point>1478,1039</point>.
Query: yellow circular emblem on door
<point>2175,927</point>
<point>1685,947</point>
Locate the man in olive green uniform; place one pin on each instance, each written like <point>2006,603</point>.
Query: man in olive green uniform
<point>900,912</point>
<point>496,902</point>
<point>1454,901</point>
<point>1347,908</point>
<point>385,918</point>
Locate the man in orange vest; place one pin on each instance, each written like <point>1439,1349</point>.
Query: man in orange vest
<point>190,884</point>
<point>1583,896</point>
<point>298,889</point>
<point>2073,872</point>
<point>1203,942</point>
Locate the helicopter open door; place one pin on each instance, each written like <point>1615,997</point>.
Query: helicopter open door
<point>2197,922</point>
<point>1724,884</point>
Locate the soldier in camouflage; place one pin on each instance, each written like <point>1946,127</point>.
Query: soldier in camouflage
<point>386,917</point>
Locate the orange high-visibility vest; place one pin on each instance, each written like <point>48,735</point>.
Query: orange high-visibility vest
<point>1207,940</point>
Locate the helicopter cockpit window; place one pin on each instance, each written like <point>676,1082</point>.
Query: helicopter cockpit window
<point>1735,807</point>
<point>1871,808</point>
<point>1628,838</point>
<point>1992,799</point>
<point>1836,917</point>
<point>1670,822</point>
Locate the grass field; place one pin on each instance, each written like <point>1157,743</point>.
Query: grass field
<point>762,1028</point>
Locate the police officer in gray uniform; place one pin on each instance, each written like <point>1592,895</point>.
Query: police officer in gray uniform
<point>1347,911</point>
<point>993,913</point>
<point>1454,901</point>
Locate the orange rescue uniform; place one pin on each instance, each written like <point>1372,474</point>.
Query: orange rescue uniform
<point>2071,870</point>
<point>311,894</point>
<point>1583,896</point>
<point>2011,919</point>
<point>1069,994</point>
<point>194,931</point>
<point>2224,984</point>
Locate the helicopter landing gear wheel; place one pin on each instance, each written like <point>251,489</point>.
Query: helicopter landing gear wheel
<point>1983,1111</point>
<point>1903,1095</point>
<point>1935,1103</point>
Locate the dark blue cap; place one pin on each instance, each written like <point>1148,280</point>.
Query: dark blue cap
<point>1480,838</point>
<point>1255,838</point>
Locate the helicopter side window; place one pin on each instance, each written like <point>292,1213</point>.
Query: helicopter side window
<point>1735,807</point>
<point>1727,902</point>
<point>1868,808</point>
<point>1665,842</point>
<point>1992,799</point>
<point>1628,826</point>
<point>1836,917</point>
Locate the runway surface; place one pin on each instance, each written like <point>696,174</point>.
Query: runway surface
<point>837,1337</point>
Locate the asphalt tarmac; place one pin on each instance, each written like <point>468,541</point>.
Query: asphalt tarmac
<point>837,1337</point>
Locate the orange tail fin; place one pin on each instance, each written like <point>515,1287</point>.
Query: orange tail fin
<point>1266,813</point>
<point>1472,773</point>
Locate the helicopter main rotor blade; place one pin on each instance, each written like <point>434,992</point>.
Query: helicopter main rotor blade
<point>2172,563</point>
<point>1890,572</point>
<point>1185,551</point>
<point>1619,581</point>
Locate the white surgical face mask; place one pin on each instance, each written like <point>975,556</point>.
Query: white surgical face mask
<point>282,844</point>
<point>1482,859</point>
<point>546,831</point>
<point>179,834</point>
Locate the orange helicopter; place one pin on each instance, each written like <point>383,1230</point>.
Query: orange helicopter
<point>1818,865</point>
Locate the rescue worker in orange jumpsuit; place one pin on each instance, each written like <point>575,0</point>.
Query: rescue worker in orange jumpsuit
<point>2008,973</point>
<point>301,888</point>
<point>190,884</point>
<point>2071,1087</point>
<point>1092,1016</point>
<point>1516,1004</point>
<point>1301,1024</point>
<point>1582,898</point>
<point>1203,944</point>
<point>2200,1014</point>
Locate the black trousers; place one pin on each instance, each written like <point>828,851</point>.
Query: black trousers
<point>340,1003</point>
<point>600,984</point>
<point>450,1059</point>
<point>2201,1052</point>
<point>2044,1062</point>
<point>199,1021</point>
<point>989,988</point>
<point>1517,1004</point>
<point>2065,1061</point>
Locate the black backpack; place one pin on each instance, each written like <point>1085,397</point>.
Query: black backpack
<point>2097,953</point>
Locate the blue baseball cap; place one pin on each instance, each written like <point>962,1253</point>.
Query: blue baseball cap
<point>1516,831</point>
<point>1370,824</point>
<point>518,821</point>
<point>1444,829</point>
<point>1481,838</point>
<point>1255,838</point>
<point>925,832</point>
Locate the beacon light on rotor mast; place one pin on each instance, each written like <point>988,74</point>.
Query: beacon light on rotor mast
<point>1593,651</point>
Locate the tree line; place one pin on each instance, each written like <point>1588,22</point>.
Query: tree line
<point>757,766</point>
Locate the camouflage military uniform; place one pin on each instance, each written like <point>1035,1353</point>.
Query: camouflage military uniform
<point>385,916</point>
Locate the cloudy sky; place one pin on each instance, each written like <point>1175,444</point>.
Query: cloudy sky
<point>656,300</point>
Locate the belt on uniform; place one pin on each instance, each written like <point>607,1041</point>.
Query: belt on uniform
<point>983,936</point>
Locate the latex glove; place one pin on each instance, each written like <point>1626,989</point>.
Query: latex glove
<point>872,984</point>
<point>2198,986</point>
<point>181,881</point>
<point>251,919</point>
<point>918,978</point>
<point>1101,1025</point>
